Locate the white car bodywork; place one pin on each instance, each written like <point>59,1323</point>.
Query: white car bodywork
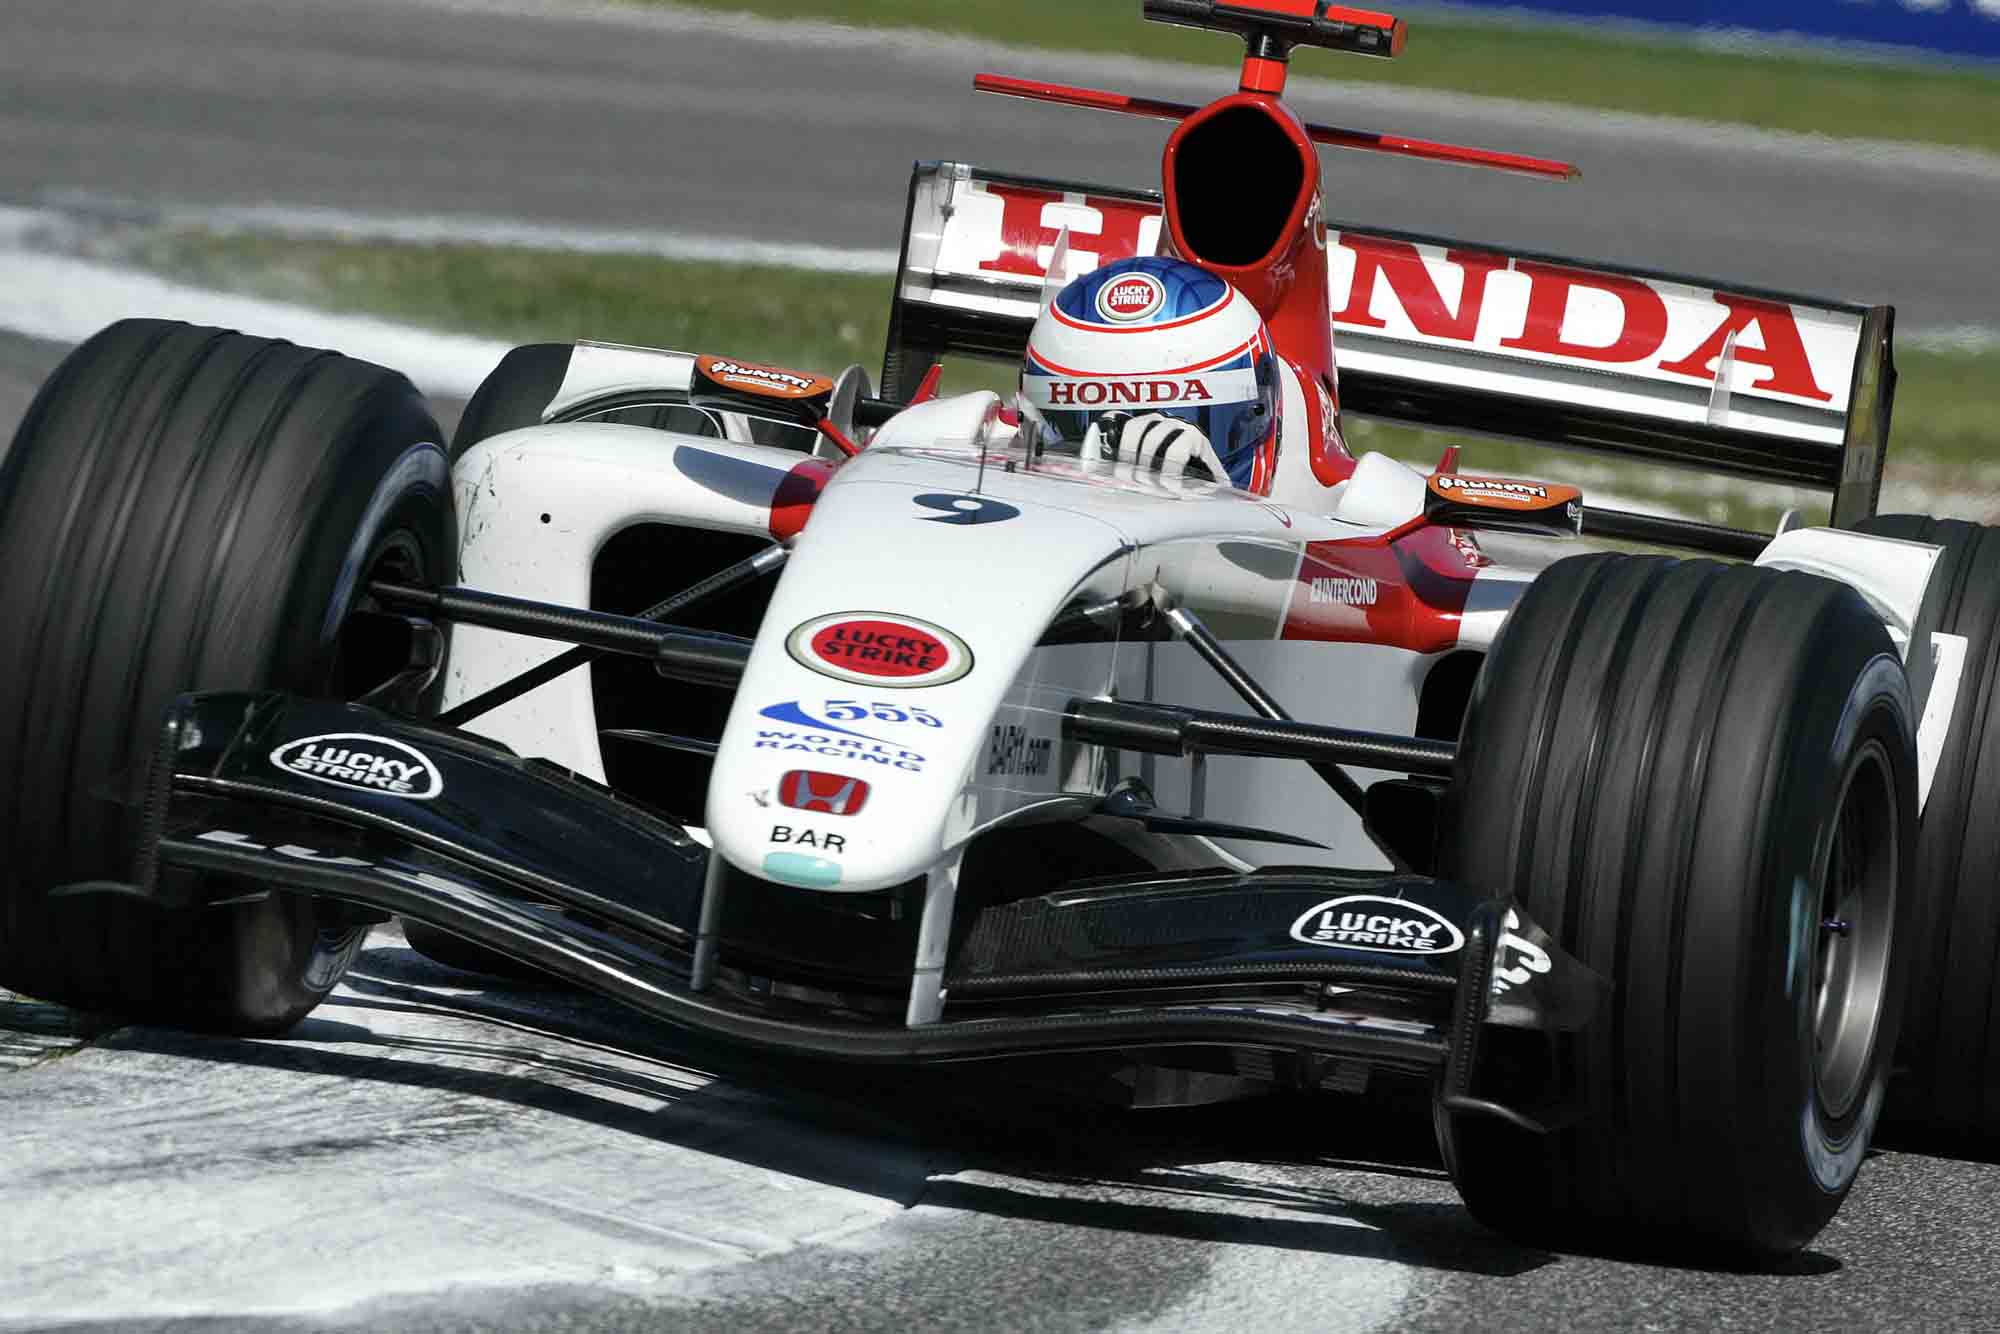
<point>537,505</point>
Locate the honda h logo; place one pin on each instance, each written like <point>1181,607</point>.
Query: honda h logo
<point>829,794</point>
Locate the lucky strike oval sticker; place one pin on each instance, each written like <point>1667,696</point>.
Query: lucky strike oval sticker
<point>1378,925</point>
<point>1131,296</point>
<point>360,760</point>
<point>879,649</point>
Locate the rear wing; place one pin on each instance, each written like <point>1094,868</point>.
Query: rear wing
<point>1456,336</point>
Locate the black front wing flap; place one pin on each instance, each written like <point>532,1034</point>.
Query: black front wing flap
<point>251,792</point>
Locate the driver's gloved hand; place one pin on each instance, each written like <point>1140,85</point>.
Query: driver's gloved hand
<point>1154,444</point>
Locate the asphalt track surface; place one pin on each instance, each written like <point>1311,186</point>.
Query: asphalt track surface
<point>648,119</point>
<point>427,1154</point>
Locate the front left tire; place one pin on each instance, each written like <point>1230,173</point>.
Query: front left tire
<point>1699,779</point>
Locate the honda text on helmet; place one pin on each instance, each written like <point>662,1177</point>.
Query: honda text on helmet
<point>1152,336</point>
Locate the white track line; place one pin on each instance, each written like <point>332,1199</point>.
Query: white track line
<point>470,229</point>
<point>66,300</point>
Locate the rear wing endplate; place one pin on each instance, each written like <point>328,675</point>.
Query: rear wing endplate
<point>1457,336</point>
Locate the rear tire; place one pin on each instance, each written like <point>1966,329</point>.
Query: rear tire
<point>1948,1066</point>
<point>1681,770</point>
<point>186,508</point>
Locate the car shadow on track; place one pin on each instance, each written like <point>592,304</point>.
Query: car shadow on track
<point>992,1141</point>
<point>1897,1137</point>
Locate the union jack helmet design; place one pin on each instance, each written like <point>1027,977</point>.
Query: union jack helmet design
<point>1159,335</point>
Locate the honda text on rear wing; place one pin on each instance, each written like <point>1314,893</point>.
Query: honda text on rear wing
<point>1456,336</point>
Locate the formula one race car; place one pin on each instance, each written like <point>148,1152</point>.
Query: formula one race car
<point>970,735</point>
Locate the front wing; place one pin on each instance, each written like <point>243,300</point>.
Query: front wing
<point>254,792</point>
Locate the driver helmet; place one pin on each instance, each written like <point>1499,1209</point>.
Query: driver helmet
<point>1155,335</point>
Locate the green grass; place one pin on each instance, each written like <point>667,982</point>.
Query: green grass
<point>1773,89</point>
<point>1943,438</point>
<point>824,321</point>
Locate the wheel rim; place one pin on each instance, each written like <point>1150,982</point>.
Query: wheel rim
<point>353,630</point>
<point>371,645</point>
<point>363,647</point>
<point>1851,932</point>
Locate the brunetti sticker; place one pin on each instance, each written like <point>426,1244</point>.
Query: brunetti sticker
<point>1134,296</point>
<point>366,763</point>
<point>768,381</point>
<point>1382,926</point>
<point>879,649</point>
<point>1503,493</point>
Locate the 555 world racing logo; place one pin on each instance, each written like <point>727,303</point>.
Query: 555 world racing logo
<point>822,727</point>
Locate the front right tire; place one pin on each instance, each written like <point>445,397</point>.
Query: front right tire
<point>188,509</point>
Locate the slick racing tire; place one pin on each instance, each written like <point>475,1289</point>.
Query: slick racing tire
<point>1699,779</point>
<point>188,509</point>
<point>1948,1067</point>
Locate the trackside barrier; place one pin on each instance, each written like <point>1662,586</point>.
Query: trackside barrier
<point>1962,28</point>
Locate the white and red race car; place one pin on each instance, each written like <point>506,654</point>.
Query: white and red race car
<point>954,745</point>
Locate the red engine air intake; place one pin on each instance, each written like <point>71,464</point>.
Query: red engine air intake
<point>1243,201</point>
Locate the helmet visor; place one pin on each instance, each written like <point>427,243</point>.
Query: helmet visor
<point>1238,427</point>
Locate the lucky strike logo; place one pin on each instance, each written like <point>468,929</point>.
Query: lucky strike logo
<point>1127,393</point>
<point>358,760</point>
<point>879,649</point>
<point>768,381</point>
<point>1378,925</point>
<point>1131,297</point>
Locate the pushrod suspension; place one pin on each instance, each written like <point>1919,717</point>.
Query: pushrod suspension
<point>722,581</point>
<point>1167,730</point>
<point>683,655</point>
<point>1202,640</point>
